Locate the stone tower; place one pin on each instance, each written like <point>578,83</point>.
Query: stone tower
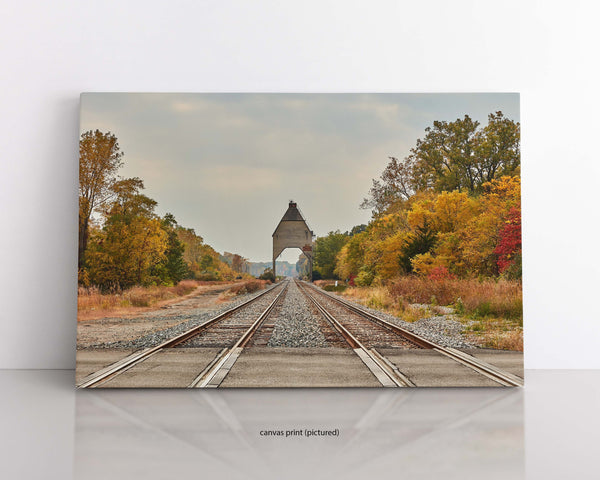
<point>293,232</point>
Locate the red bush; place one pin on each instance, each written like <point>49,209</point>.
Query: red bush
<point>509,241</point>
<point>440,273</point>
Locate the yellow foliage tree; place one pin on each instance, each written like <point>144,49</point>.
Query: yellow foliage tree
<point>480,237</point>
<point>389,251</point>
<point>123,254</point>
<point>351,257</point>
<point>424,263</point>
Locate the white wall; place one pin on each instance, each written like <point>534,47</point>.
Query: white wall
<point>52,51</point>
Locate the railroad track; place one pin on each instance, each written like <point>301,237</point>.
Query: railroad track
<point>229,328</point>
<point>343,325</point>
<point>385,371</point>
<point>365,337</point>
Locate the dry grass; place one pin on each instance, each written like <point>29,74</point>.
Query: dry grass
<point>248,287</point>
<point>89,299</point>
<point>496,333</point>
<point>479,299</point>
<point>380,298</point>
<point>491,310</point>
<point>323,283</point>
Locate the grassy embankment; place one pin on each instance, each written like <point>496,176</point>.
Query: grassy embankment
<point>492,311</point>
<point>250,286</point>
<point>92,300</point>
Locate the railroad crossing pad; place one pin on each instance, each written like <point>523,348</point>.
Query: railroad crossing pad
<point>92,360</point>
<point>172,368</point>
<point>509,361</point>
<point>299,367</point>
<point>428,368</point>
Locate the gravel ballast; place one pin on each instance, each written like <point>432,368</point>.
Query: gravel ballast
<point>295,325</point>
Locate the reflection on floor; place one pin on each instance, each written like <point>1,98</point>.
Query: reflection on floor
<point>424,432</point>
<point>52,431</point>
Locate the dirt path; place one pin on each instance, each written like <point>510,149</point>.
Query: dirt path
<point>129,323</point>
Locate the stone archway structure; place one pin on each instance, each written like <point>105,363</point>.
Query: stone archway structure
<point>293,232</point>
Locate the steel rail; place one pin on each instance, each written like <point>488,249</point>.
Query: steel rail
<point>116,368</point>
<point>385,372</point>
<point>494,373</point>
<point>215,373</point>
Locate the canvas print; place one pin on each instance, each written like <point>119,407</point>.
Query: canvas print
<point>299,240</point>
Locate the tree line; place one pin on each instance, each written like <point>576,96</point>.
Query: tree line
<point>451,208</point>
<point>122,240</point>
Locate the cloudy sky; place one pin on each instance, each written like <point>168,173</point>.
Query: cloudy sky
<point>227,164</point>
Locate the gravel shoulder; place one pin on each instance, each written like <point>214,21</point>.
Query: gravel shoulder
<point>150,328</point>
<point>444,330</point>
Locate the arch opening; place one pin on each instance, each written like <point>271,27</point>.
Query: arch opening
<point>294,263</point>
<point>293,232</point>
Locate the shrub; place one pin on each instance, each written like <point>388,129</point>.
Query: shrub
<point>423,264</point>
<point>333,288</point>
<point>267,275</point>
<point>440,273</point>
<point>139,297</point>
<point>502,298</point>
<point>459,306</point>
<point>248,287</point>
<point>184,287</point>
<point>209,276</point>
<point>364,278</point>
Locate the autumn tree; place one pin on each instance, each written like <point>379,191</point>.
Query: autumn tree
<point>202,261</point>
<point>303,266</point>
<point>193,249</point>
<point>99,161</point>
<point>452,156</point>
<point>396,183</point>
<point>351,256</point>
<point>509,245</point>
<point>238,263</point>
<point>446,210</point>
<point>131,242</point>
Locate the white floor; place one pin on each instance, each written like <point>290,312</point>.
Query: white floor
<point>548,430</point>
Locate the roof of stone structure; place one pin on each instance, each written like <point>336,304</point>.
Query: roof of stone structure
<point>292,214</point>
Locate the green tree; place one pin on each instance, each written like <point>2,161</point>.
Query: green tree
<point>325,252</point>
<point>173,269</point>
<point>445,159</point>
<point>498,148</point>
<point>419,242</point>
<point>267,275</point>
